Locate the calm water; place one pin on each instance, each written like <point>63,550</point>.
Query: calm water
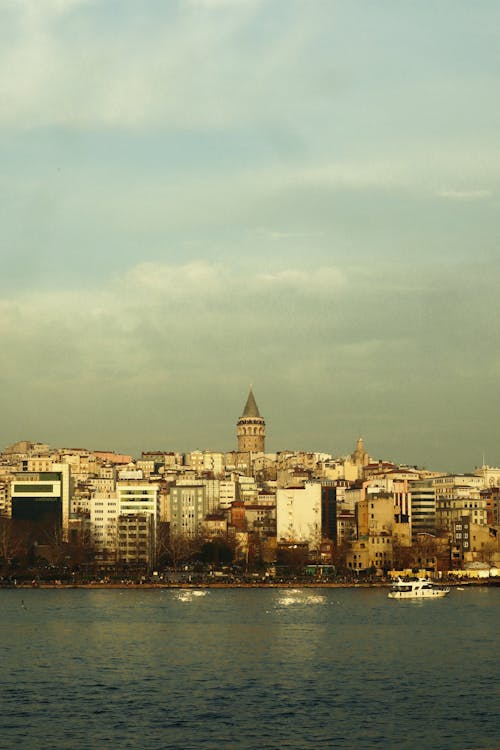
<point>248,669</point>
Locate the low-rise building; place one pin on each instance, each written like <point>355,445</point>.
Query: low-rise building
<point>373,551</point>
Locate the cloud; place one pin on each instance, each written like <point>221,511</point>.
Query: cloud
<point>316,281</point>
<point>63,64</point>
<point>287,235</point>
<point>464,195</point>
<point>198,277</point>
<point>151,312</point>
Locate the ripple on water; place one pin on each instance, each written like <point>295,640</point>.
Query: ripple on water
<point>248,668</point>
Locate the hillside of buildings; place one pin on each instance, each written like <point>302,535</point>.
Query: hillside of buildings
<point>78,513</point>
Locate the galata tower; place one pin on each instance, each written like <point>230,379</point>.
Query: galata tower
<point>251,428</point>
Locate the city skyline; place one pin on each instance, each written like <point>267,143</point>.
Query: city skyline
<point>204,194</point>
<point>249,436</point>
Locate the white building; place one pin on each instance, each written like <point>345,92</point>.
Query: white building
<point>298,514</point>
<point>138,498</point>
<point>141,500</point>
<point>103,522</point>
<point>490,476</point>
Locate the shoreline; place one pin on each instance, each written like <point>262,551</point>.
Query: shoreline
<point>239,585</point>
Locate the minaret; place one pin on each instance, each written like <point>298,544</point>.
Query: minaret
<point>251,428</point>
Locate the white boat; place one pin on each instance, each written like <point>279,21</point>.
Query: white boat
<point>418,588</point>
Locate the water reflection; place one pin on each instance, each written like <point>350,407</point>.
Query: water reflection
<point>294,668</point>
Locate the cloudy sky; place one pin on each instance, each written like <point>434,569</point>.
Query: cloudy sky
<point>197,195</point>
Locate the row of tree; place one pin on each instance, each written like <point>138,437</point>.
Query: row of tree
<point>38,550</point>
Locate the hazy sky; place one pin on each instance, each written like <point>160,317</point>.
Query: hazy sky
<point>197,195</point>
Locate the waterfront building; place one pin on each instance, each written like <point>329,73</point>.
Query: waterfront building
<point>43,498</point>
<point>370,551</point>
<point>137,539</point>
<point>139,499</point>
<point>103,524</point>
<point>298,514</point>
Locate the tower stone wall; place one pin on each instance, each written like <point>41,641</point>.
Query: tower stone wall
<point>251,428</point>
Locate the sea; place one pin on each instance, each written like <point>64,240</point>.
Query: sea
<point>248,668</point>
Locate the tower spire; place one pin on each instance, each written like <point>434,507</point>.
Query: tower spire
<point>251,409</point>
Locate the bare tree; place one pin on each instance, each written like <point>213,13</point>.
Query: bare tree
<point>8,542</point>
<point>175,547</point>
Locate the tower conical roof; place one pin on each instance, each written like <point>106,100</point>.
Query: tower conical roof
<point>251,409</point>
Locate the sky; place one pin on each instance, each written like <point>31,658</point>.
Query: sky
<point>200,195</point>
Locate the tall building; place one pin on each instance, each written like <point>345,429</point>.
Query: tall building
<point>251,428</point>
